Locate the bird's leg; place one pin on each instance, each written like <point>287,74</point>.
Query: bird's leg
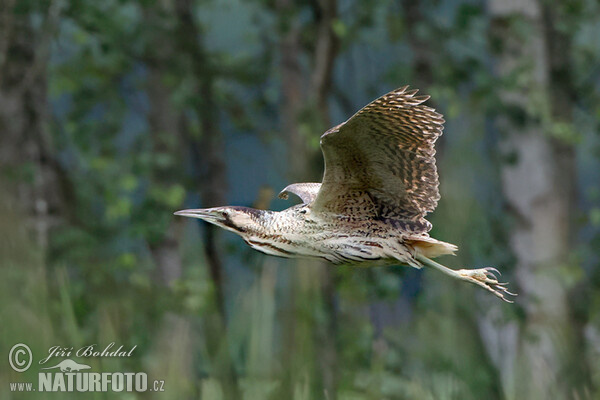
<point>483,277</point>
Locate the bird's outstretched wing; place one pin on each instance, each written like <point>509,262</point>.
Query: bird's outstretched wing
<point>306,191</point>
<point>381,162</point>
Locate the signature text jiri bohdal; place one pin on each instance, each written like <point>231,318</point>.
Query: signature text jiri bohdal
<point>92,350</point>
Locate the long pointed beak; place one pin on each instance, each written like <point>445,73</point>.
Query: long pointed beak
<point>207,214</point>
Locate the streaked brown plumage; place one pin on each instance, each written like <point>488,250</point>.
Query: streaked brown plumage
<point>380,182</point>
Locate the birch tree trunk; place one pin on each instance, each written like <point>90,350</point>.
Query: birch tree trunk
<point>537,180</point>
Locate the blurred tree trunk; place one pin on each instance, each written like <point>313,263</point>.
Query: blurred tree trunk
<point>421,51</point>
<point>538,182</point>
<point>297,150</point>
<point>207,147</point>
<point>207,155</point>
<point>298,103</point>
<point>166,140</point>
<point>174,336</point>
<point>25,143</point>
<point>325,52</point>
<point>292,83</point>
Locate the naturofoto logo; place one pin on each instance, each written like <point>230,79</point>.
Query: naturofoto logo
<point>72,376</point>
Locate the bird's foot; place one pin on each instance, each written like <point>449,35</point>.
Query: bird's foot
<point>487,279</point>
<point>483,277</point>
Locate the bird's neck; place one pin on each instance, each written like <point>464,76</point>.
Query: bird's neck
<point>269,223</point>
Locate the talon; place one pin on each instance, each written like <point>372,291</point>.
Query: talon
<point>483,277</point>
<point>491,276</point>
<point>486,279</point>
<point>493,269</point>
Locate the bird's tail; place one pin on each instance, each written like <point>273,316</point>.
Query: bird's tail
<point>430,247</point>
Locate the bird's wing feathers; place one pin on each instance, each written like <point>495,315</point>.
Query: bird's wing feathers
<point>306,191</point>
<point>381,161</point>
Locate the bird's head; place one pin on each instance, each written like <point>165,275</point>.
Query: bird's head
<point>233,218</point>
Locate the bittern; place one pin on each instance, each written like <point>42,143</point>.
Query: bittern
<point>380,182</point>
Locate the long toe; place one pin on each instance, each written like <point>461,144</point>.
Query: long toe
<point>487,279</point>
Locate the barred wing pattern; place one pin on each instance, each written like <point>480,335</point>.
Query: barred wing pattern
<point>381,162</point>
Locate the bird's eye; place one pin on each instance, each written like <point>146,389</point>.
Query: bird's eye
<point>303,211</point>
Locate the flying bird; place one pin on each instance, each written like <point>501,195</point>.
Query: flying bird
<point>380,182</point>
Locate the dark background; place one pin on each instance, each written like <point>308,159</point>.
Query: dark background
<point>114,114</point>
